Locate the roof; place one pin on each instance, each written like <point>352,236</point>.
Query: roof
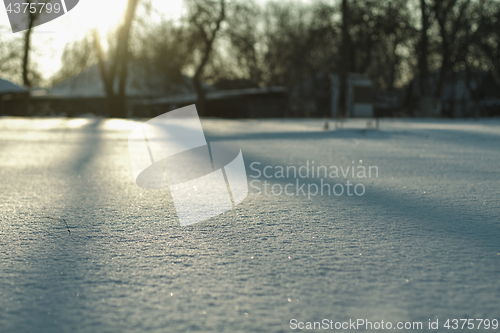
<point>7,87</point>
<point>140,84</point>
<point>215,95</point>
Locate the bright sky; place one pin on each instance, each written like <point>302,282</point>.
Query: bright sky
<point>49,39</point>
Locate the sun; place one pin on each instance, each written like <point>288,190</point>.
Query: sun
<point>105,16</point>
<point>51,38</point>
<point>97,14</point>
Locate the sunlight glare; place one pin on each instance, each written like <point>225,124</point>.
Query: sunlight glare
<point>103,15</point>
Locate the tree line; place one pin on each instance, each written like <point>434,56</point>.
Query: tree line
<point>285,42</point>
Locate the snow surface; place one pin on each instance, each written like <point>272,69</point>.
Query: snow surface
<point>422,243</point>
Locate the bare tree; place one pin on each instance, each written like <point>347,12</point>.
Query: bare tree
<point>487,38</point>
<point>205,19</point>
<point>31,18</point>
<point>10,48</point>
<point>378,33</point>
<point>163,51</point>
<point>245,39</point>
<point>298,42</point>
<point>423,48</point>
<point>346,50</point>
<point>77,57</point>
<point>450,16</point>
<point>284,43</point>
<point>26,53</point>
<point>115,68</point>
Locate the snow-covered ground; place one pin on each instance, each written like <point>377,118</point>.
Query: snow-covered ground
<point>422,243</point>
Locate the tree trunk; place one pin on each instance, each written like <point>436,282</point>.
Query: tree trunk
<point>453,94</point>
<point>344,70</point>
<point>424,50</point>
<point>209,41</point>
<point>395,64</point>
<point>201,94</point>
<point>119,66</point>
<point>26,55</point>
<point>123,58</point>
<point>443,71</point>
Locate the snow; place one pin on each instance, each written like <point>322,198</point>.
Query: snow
<point>421,243</point>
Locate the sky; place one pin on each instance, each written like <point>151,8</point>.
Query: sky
<point>49,39</point>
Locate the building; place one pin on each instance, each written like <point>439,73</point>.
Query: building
<point>269,102</point>
<point>149,95</point>
<point>85,93</point>
<point>14,99</point>
<point>389,103</point>
<point>473,94</point>
<point>319,96</point>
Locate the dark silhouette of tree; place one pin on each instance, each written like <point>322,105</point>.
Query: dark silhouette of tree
<point>245,39</point>
<point>423,48</point>
<point>162,49</point>
<point>487,38</point>
<point>31,17</point>
<point>285,43</point>
<point>77,57</point>
<point>450,15</point>
<point>346,63</point>
<point>9,57</point>
<point>205,20</point>
<point>114,70</point>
